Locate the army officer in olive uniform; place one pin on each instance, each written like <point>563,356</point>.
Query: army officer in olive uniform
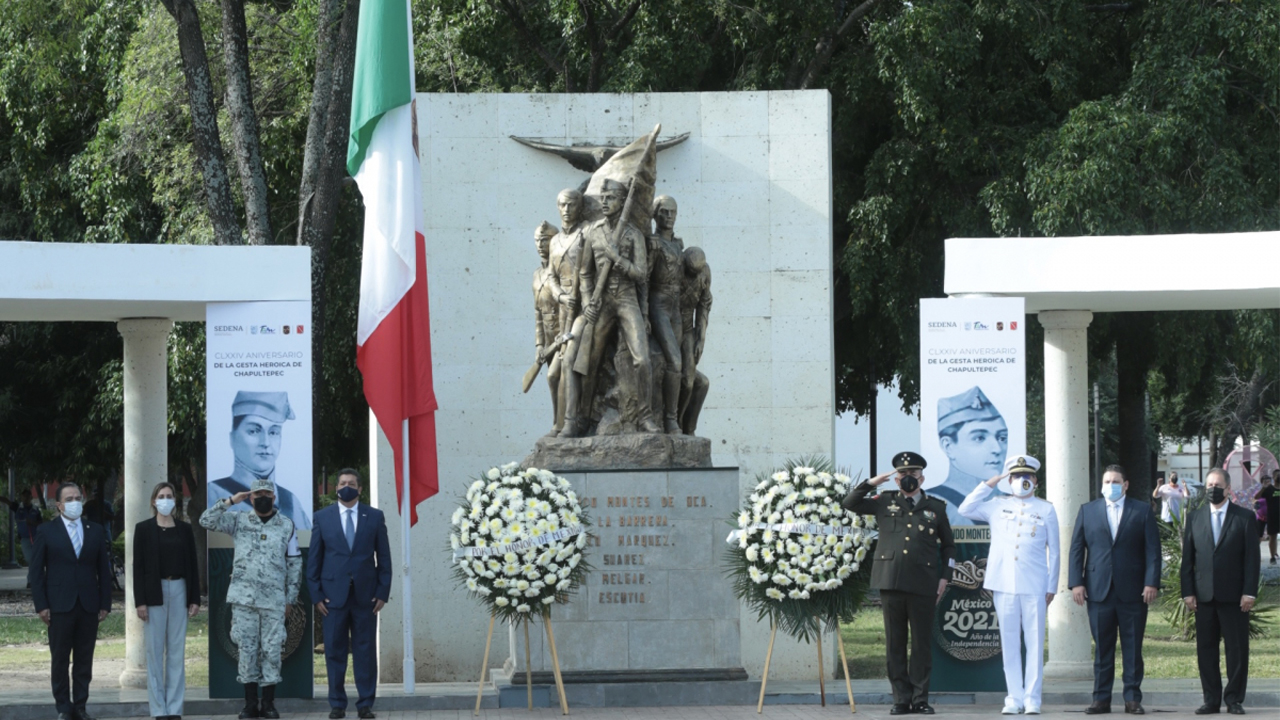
<point>911,567</point>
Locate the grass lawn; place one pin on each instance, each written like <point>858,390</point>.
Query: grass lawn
<point>23,642</point>
<point>1163,656</point>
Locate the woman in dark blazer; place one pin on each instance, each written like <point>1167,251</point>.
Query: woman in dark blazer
<point>166,590</point>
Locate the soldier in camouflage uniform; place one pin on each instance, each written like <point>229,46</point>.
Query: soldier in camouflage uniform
<point>264,585</point>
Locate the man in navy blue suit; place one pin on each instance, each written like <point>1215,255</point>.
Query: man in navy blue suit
<point>1115,566</point>
<point>349,575</point>
<point>71,586</point>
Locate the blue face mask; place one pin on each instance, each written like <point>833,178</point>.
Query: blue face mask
<point>1113,491</point>
<point>348,493</point>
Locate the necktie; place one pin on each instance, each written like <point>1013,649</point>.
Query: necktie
<point>910,503</point>
<point>78,543</point>
<point>350,530</point>
<point>1217,526</point>
<point>1115,519</point>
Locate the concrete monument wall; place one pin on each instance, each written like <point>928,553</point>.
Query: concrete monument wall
<point>753,184</point>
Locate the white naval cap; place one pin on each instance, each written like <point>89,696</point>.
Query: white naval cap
<point>1021,464</point>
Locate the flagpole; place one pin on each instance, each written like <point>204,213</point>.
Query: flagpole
<point>405,582</point>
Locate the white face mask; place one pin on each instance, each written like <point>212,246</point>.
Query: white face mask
<point>73,509</point>
<point>1022,487</point>
<point>164,506</point>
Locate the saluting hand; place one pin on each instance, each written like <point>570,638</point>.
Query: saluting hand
<point>239,497</point>
<point>995,480</point>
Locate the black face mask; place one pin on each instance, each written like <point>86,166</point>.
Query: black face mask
<point>263,504</point>
<point>909,483</point>
<point>348,493</point>
<point>1217,495</point>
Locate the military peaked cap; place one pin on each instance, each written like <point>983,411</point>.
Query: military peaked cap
<point>908,460</point>
<point>1022,464</point>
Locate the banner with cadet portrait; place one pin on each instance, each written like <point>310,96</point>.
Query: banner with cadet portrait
<point>973,411</point>
<point>258,424</point>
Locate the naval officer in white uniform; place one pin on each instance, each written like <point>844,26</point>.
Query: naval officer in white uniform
<point>1022,574</point>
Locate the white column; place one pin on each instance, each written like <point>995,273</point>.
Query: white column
<point>1066,449</point>
<point>146,459</point>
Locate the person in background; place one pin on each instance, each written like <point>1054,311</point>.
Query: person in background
<point>26,518</point>
<point>166,591</point>
<point>1271,494</point>
<point>71,587</point>
<point>1173,495</point>
<point>349,576</point>
<point>1114,566</point>
<point>1221,565</point>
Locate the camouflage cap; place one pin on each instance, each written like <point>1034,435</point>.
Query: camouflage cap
<point>262,484</point>
<point>968,406</point>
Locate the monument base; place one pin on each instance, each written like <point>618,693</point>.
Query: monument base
<point>656,605</point>
<point>629,451</point>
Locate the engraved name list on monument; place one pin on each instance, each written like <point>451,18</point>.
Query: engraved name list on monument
<point>656,597</point>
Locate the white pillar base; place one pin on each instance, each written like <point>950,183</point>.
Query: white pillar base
<point>146,460</point>
<point>1069,670</point>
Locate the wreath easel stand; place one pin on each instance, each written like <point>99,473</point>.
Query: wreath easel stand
<point>822,688</point>
<point>528,669</point>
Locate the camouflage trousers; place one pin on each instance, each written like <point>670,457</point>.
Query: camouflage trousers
<point>259,636</point>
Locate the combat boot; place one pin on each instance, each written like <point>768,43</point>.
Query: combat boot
<point>269,702</point>
<point>250,702</point>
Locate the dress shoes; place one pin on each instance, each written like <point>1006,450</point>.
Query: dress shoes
<point>1098,708</point>
<point>898,709</point>
<point>1032,710</point>
<point>82,714</point>
<point>1235,709</point>
<point>1134,708</point>
<point>367,714</point>
<point>67,716</point>
<point>1010,708</point>
<point>922,708</point>
<point>337,714</point>
<point>1207,709</point>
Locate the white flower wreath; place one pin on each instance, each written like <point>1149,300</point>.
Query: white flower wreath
<point>518,540</point>
<point>797,554</point>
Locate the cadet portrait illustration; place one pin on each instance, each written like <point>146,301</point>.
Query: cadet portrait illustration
<point>257,431</point>
<point>975,438</point>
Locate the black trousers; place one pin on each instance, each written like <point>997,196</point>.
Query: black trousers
<point>903,611</point>
<point>1225,622</point>
<point>74,632</point>
<point>1108,620</point>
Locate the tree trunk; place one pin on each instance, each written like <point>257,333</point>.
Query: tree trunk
<point>319,218</point>
<point>204,122</point>
<point>1133,360</point>
<point>321,91</point>
<point>244,122</point>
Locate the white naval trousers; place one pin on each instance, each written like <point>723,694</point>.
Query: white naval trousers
<point>1021,616</point>
<point>166,637</point>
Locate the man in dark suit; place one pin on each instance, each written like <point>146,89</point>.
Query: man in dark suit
<point>1221,562</point>
<point>1115,566</point>
<point>71,586</point>
<point>913,559</point>
<point>349,574</point>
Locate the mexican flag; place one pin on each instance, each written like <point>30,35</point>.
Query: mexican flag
<point>393,334</point>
